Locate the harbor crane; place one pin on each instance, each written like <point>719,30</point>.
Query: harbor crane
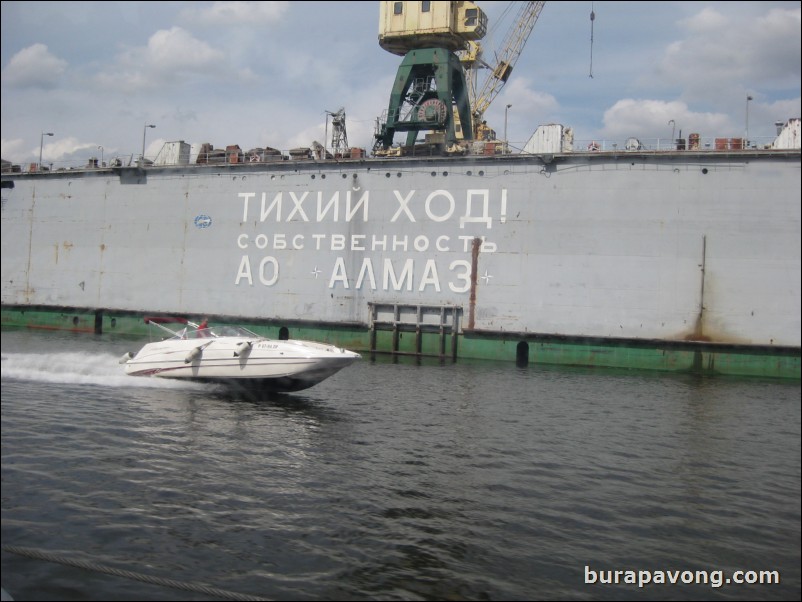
<point>440,43</point>
<point>430,85</point>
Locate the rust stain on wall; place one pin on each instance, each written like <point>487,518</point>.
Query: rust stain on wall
<point>475,248</point>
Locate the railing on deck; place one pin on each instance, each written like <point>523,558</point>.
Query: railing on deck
<point>692,143</point>
<point>233,155</point>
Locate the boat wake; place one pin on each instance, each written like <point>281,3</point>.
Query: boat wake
<point>80,368</point>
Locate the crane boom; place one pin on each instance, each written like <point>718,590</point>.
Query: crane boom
<point>511,49</point>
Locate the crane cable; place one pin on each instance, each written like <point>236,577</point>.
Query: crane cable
<point>592,19</point>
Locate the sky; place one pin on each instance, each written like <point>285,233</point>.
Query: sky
<point>265,74</point>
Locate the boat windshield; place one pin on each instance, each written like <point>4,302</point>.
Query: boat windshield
<point>233,331</point>
<point>215,332</point>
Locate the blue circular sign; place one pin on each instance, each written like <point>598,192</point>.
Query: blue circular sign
<point>203,221</point>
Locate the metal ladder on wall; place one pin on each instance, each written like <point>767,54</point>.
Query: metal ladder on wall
<point>398,318</point>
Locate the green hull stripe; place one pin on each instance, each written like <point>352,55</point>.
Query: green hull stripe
<point>783,363</point>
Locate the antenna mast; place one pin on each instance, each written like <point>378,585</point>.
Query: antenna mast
<point>339,137</point>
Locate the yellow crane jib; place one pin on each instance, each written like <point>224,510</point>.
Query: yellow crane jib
<point>506,57</point>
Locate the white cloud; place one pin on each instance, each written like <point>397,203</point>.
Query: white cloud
<point>645,118</point>
<point>55,149</point>
<point>706,22</point>
<point>34,67</point>
<point>724,56</point>
<point>170,56</point>
<point>777,48</point>
<point>177,50</point>
<point>520,93</point>
<point>13,147</point>
<point>232,13</point>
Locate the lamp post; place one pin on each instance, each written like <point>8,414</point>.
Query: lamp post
<point>673,125</point>
<point>145,131</point>
<point>326,137</point>
<point>746,137</point>
<point>100,148</point>
<point>41,146</point>
<point>507,108</point>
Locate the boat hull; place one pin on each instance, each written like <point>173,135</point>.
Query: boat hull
<point>265,364</point>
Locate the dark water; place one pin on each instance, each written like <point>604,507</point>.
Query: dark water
<point>393,481</point>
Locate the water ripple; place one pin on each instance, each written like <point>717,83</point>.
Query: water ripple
<point>394,481</point>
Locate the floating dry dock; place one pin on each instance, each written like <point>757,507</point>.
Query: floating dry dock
<point>660,259</point>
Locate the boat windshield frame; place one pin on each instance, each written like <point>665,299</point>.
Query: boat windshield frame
<point>216,332</point>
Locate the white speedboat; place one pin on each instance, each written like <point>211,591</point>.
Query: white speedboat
<point>235,355</point>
